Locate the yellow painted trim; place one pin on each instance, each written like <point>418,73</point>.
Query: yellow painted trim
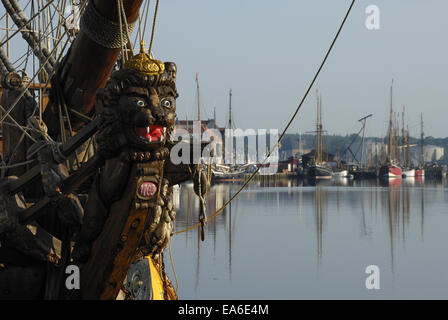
<point>156,281</point>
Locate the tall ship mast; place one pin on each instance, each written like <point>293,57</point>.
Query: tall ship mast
<point>229,172</point>
<point>319,169</point>
<point>408,172</point>
<point>391,169</point>
<point>199,100</point>
<point>391,135</point>
<point>230,125</point>
<point>420,171</point>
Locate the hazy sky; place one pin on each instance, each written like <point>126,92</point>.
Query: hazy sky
<point>268,51</point>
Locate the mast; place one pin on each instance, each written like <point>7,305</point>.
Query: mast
<point>422,159</point>
<point>339,160</point>
<point>199,101</point>
<point>363,129</point>
<point>390,126</point>
<point>397,138</point>
<point>362,146</point>
<point>320,130</point>
<point>408,151</point>
<point>376,155</point>
<point>230,109</point>
<point>316,156</point>
<point>362,143</point>
<point>233,146</point>
<point>403,140</point>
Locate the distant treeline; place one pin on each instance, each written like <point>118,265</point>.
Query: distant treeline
<point>333,142</point>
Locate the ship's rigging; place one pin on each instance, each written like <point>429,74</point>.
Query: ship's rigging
<point>59,51</point>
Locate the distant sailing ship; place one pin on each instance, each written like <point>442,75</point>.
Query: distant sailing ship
<point>408,171</point>
<point>391,168</point>
<point>226,172</point>
<point>319,169</point>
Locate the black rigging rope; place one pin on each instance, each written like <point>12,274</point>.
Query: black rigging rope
<point>287,125</point>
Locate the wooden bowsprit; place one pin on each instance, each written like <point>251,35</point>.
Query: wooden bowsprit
<point>114,250</point>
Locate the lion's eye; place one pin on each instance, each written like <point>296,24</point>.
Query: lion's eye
<point>166,103</point>
<point>140,103</point>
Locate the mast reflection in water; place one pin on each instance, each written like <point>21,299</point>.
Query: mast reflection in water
<point>298,240</point>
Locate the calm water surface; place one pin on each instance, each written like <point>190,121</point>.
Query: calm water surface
<point>290,240</point>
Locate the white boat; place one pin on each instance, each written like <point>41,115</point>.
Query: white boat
<point>340,174</point>
<point>409,173</point>
<point>228,173</point>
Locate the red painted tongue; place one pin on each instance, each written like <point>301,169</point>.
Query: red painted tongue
<point>155,132</point>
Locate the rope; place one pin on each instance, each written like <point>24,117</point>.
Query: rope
<point>121,33</point>
<point>21,20</point>
<point>287,126</point>
<point>6,113</point>
<point>126,24</point>
<point>60,100</point>
<point>15,165</point>
<point>45,87</point>
<point>107,33</point>
<point>146,16</point>
<point>139,33</point>
<point>172,266</point>
<point>153,27</point>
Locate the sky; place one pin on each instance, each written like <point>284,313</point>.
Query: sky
<point>267,52</point>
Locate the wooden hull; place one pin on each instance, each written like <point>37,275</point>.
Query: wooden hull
<point>320,172</point>
<point>390,171</point>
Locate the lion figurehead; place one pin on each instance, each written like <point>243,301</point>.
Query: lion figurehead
<point>141,98</point>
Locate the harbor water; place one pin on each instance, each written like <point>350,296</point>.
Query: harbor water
<point>296,240</point>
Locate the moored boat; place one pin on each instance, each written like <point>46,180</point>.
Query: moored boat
<point>409,173</point>
<point>230,176</point>
<point>320,172</point>
<point>419,172</point>
<point>390,171</point>
<point>340,173</point>
<point>319,168</point>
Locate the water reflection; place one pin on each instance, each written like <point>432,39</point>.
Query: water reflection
<point>323,219</point>
<point>319,202</point>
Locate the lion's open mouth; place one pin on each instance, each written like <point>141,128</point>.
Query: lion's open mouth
<point>152,133</point>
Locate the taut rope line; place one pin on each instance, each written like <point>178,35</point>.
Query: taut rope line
<point>153,27</point>
<point>287,126</point>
